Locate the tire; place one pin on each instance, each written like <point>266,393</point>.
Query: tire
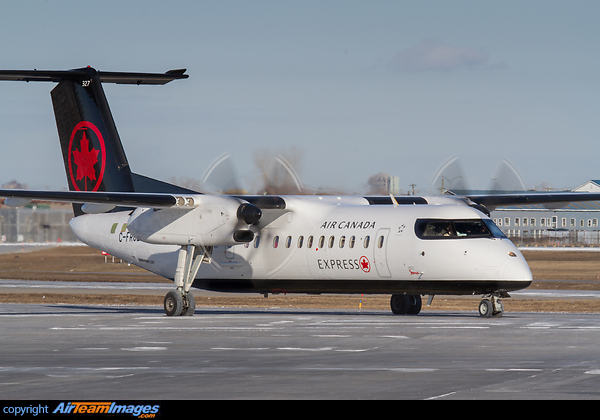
<point>191,305</point>
<point>173,303</point>
<point>485,308</point>
<point>400,304</point>
<point>415,304</point>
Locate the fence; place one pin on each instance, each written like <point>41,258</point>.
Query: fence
<point>557,238</point>
<point>36,224</point>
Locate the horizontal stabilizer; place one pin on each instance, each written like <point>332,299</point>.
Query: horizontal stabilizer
<point>87,72</point>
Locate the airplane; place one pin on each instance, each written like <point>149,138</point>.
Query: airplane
<point>405,246</point>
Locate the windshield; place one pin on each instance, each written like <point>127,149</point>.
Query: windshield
<point>456,229</point>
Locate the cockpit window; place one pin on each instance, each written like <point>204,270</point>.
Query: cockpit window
<point>456,229</point>
<point>435,228</point>
<point>470,228</point>
<point>494,229</point>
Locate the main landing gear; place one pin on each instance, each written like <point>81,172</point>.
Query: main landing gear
<point>406,304</point>
<point>180,301</point>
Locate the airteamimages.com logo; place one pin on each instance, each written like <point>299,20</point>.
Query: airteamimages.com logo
<point>141,411</point>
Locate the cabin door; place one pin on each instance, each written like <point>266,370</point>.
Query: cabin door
<point>380,253</point>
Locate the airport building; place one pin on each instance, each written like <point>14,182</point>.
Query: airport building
<point>576,224</point>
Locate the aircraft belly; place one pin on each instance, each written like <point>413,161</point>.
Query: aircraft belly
<point>457,287</point>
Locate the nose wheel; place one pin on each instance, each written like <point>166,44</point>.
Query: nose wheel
<point>491,307</point>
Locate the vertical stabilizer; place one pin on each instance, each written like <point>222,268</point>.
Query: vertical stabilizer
<point>92,151</point>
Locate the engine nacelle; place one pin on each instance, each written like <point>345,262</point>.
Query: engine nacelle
<point>214,221</point>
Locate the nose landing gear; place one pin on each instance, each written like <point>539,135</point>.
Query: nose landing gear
<point>492,307</point>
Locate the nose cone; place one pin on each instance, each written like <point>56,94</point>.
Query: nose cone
<point>516,270</point>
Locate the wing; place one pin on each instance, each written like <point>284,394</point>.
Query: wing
<point>491,201</point>
<point>165,200</point>
<point>225,220</point>
<point>138,199</point>
<point>95,197</point>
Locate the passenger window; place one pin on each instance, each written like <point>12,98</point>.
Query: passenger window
<point>275,241</point>
<point>300,241</point>
<point>321,241</point>
<point>309,242</point>
<point>288,242</point>
<point>331,241</point>
<point>366,241</point>
<point>256,241</point>
<point>352,239</point>
<point>342,241</point>
<point>380,242</point>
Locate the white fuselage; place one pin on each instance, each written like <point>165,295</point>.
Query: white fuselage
<point>338,245</point>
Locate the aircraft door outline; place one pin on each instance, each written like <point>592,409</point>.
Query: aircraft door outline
<point>380,253</point>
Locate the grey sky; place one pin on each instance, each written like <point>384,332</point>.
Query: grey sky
<point>358,87</point>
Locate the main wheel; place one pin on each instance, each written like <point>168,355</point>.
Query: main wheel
<point>400,304</point>
<point>415,304</point>
<point>173,303</point>
<point>406,304</point>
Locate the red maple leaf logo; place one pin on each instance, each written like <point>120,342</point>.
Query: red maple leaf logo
<point>364,264</point>
<point>90,163</point>
<point>85,160</point>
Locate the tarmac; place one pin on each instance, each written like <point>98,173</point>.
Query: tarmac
<point>84,352</point>
<point>70,352</point>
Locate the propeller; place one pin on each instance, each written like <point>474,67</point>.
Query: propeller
<point>221,176</point>
<point>278,176</point>
<point>450,177</point>
<point>507,178</point>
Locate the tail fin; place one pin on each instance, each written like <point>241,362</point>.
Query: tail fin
<point>93,155</point>
<point>92,151</point>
